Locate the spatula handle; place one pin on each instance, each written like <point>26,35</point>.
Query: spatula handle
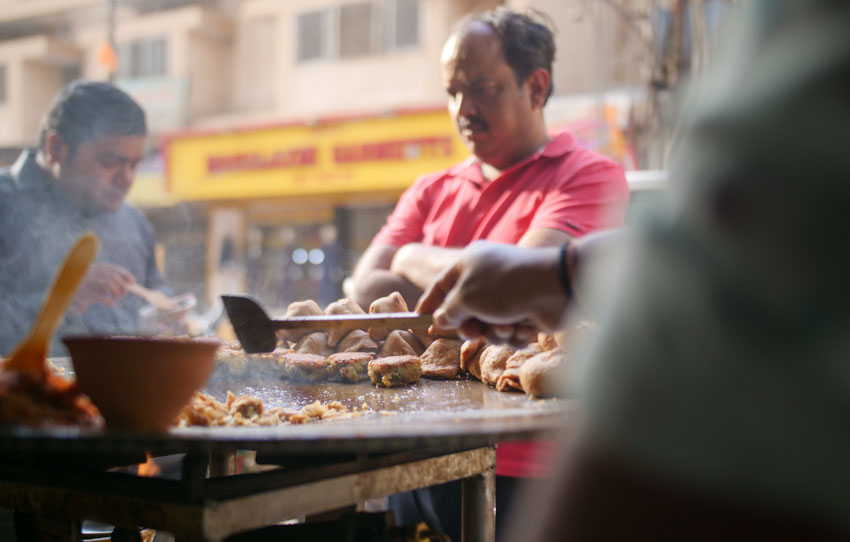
<point>392,320</point>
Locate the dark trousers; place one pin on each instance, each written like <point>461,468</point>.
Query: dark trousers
<point>439,506</point>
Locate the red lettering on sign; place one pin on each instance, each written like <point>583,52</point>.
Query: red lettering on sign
<point>280,159</point>
<point>405,149</point>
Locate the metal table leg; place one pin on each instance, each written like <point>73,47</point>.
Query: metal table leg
<point>478,507</point>
<point>222,464</point>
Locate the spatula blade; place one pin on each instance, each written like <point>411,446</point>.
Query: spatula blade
<point>252,325</point>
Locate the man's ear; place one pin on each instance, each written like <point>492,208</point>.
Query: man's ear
<point>55,148</point>
<point>538,86</point>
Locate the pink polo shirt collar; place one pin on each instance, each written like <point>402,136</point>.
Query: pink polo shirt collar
<point>560,144</point>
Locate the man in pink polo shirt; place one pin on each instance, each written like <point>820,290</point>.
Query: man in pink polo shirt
<point>520,186</point>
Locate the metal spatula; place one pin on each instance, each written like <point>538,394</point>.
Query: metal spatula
<point>256,331</point>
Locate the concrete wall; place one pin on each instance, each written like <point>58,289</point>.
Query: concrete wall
<point>593,45</point>
<point>209,74</point>
<point>199,51</point>
<point>33,77</point>
<point>397,79</point>
<point>256,55</point>
<point>10,112</point>
<point>41,83</point>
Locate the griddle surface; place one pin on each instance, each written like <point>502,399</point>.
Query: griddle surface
<point>430,414</point>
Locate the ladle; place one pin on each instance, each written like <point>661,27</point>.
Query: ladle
<point>30,355</point>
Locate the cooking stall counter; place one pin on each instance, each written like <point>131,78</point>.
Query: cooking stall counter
<point>425,434</point>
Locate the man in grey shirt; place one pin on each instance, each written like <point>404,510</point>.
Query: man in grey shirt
<point>76,180</point>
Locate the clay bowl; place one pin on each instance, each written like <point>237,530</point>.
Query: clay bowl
<point>140,383</point>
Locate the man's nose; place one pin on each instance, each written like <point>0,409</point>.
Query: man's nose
<point>465,106</point>
<point>125,175</point>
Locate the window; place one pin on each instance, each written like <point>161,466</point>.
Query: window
<point>402,24</point>
<point>358,29</point>
<point>313,35</point>
<point>2,84</point>
<point>143,58</point>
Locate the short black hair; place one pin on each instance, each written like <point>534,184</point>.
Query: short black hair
<point>527,39</point>
<point>87,110</point>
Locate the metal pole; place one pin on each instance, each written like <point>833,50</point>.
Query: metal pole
<point>600,65</point>
<point>478,507</point>
<point>110,33</point>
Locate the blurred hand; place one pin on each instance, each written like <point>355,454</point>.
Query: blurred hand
<point>493,287</point>
<point>105,283</point>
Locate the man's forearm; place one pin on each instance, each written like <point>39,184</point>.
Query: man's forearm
<point>421,264</point>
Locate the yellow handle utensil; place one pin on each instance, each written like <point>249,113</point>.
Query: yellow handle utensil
<point>32,352</point>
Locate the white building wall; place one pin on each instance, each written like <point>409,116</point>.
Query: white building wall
<point>41,82</point>
<point>238,62</point>
<point>10,112</point>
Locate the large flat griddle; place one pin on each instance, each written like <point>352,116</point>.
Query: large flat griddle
<point>430,414</point>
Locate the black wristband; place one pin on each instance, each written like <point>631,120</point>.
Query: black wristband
<point>563,271</point>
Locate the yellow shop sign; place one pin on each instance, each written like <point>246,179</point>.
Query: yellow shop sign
<point>375,154</point>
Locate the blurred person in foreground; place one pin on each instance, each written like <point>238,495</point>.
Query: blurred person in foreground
<point>519,186</point>
<point>91,140</point>
<point>716,394</point>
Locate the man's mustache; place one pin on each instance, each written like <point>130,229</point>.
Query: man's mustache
<point>473,123</point>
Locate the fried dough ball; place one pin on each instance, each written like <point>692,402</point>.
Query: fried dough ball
<point>544,374</point>
<point>411,339</point>
<point>314,343</point>
<point>441,359</point>
<point>470,356</point>
<point>307,307</point>
<point>357,341</point>
<point>423,336</point>
<point>396,345</point>
<point>493,361</point>
<point>510,378</point>
<point>391,303</point>
<point>342,306</point>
